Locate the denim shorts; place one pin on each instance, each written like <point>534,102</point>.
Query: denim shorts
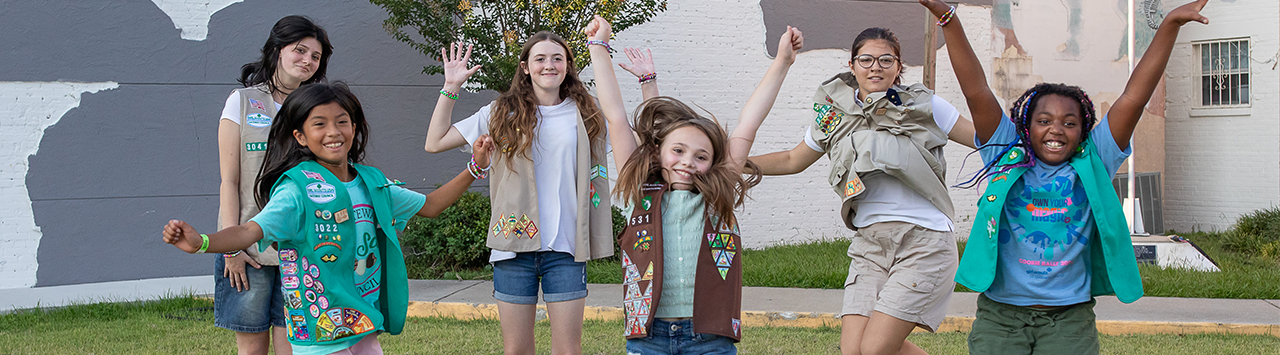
<point>516,280</point>
<point>254,310</point>
<point>678,338</point>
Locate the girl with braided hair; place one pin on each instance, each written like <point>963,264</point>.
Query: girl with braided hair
<point>1049,234</point>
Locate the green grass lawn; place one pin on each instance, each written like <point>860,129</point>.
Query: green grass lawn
<point>184,325</point>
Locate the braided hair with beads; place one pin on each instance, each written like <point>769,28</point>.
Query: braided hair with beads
<point>1020,115</point>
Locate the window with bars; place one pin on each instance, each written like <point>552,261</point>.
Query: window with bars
<point>1224,72</point>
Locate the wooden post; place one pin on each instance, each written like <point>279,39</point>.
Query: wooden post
<point>931,49</point>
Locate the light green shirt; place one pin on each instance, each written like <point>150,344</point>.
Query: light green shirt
<point>683,214</point>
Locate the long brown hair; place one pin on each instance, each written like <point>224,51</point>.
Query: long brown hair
<point>513,119</point>
<point>721,187</point>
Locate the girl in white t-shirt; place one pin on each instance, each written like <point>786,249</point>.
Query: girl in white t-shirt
<point>249,300</point>
<point>538,122</point>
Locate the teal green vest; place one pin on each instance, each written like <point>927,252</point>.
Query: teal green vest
<point>322,305</point>
<point>1113,270</point>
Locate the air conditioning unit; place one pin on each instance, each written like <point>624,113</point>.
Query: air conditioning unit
<point>1149,200</point>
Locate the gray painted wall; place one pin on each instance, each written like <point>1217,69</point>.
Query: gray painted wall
<point>111,172</point>
<point>833,24</point>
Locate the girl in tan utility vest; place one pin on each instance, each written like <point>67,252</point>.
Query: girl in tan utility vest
<point>885,143</point>
<point>249,300</point>
<point>548,186</point>
<point>681,181</point>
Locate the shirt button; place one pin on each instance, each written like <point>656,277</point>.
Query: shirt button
<point>682,258</point>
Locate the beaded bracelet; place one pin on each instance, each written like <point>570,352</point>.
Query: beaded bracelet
<point>232,254</point>
<point>475,169</point>
<point>946,18</point>
<point>601,43</point>
<point>648,78</point>
<point>448,94</point>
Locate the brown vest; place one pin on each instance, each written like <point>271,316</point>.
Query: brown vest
<point>717,287</point>
<point>257,109</point>
<point>513,193</point>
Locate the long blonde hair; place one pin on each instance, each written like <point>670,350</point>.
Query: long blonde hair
<point>513,119</point>
<point>722,188</point>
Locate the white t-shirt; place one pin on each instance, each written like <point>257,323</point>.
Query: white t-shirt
<point>231,110</point>
<point>555,159</point>
<point>888,199</point>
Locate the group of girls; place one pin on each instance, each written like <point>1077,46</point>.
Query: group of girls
<point>544,143</point>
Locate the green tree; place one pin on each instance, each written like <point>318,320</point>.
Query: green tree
<point>497,28</point>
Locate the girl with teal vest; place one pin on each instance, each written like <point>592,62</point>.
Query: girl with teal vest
<point>1049,235</point>
<point>341,269</point>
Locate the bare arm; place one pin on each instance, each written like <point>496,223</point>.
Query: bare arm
<point>962,132</point>
<point>607,91</point>
<point>229,171</point>
<point>762,99</point>
<point>446,195</point>
<point>1124,114</point>
<point>239,237</point>
<point>787,162</point>
<point>982,102</point>
<point>441,135</point>
<point>641,65</point>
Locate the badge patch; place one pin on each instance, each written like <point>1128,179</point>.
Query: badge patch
<point>853,187</point>
<point>289,282</point>
<point>646,202</point>
<point>319,287</point>
<point>294,299</point>
<point>320,192</point>
<point>642,240</point>
<point>328,258</point>
<point>641,219</point>
<point>288,254</point>
<point>341,216</point>
<point>308,281</point>
<point>599,171</point>
<point>313,175</point>
<point>255,146</point>
<point>257,104</point>
<point>326,228</point>
<point>258,120</point>
<point>315,311</point>
<point>323,302</point>
<point>314,271</point>
<point>289,268</point>
<point>595,197</point>
<point>331,244</point>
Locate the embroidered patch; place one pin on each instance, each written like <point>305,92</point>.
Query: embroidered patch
<point>358,322</point>
<point>595,197</point>
<point>320,192</point>
<point>319,287</point>
<point>310,296</point>
<point>639,220</point>
<point>737,326</point>
<point>991,198</point>
<point>323,302</point>
<point>828,118</point>
<point>313,175</point>
<point>314,271</point>
<point>289,282</point>
<point>255,146</point>
<point>293,299</point>
<point>332,244</point>
<point>881,111</point>
<point>650,187</point>
<point>325,228</point>
<point>257,104</point>
<point>328,258</point>
<point>325,324</point>
<point>1002,176</point>
<point>341,216</point>
<point>529,228</point>
<point>308,281</point>
<point>636,305</point>
<point>723,258</point>
<point>646,202</point>
<point>258,120</point>
<point>288,254</point>
<point>315,311</point>
<point>991,227</point>
<point>288,268</point>
<point>298,326</point>
<point>853,187</point>
<point>642,240</point>
<point>599,171</point>
<point>648,273</point>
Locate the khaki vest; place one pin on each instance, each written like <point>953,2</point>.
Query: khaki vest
<point>892,132</point>
<point>717,285</point>
<point>513,194</point>
<point>257,109</point>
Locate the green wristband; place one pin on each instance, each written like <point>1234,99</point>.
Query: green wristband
<point>204,243</point>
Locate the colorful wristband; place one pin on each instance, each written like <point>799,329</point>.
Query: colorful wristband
<point>946,18</point>
<point>232,254</point>
<point>648,77</point>
<point>204,243</point>
<point>448,94</point>
<point>601,43</point>
<point>475,170</point>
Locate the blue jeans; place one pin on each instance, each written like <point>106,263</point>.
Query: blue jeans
<point>254,310</point>
<point>678,338</point>
<point>516,280</point>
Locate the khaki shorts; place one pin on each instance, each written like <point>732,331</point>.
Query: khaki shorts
<point>903,270</point>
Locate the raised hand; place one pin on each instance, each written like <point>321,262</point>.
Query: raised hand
<point>482,150</point>
<point>182,235</point>
<point>598,29</point>
<point>937,7</point>
<point>455,66</point>
<point>1186,13</point>
<point>790,43</point>
<point>641,62</point>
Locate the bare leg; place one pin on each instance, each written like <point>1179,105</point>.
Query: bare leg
<point>566,326</point>
<point>880,335</point>
<point>280,338</point>
<point>517,327</point>
<point>851,327</point>
<point>252,343</point>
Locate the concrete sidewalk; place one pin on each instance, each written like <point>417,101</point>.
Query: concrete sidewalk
<point>762,306</point>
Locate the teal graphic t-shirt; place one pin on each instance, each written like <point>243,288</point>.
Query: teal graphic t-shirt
<point>1044,247</point>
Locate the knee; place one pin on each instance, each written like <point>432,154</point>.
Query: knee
<point>879,348</point>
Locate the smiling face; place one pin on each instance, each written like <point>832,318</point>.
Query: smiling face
<point>546,65</point>
<point>298,62</point>
<point>684,152</point>
<point>875,78</point>
<point>328,133</point>
<point>1055,128</point>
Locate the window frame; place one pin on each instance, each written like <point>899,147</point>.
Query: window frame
<point>1199,73</point>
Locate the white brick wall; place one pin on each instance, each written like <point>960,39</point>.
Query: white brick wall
<point>26,109</point>
<point>1220,167</point>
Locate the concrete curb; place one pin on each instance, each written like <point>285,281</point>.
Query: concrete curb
<point>469,311</point>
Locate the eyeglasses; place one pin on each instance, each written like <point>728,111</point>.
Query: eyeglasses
<point>886,61</point>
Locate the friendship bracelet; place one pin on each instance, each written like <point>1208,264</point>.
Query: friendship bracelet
<point>231,254</point>
<point>648,78</point>
<point>946,18</point>
<point>601,43</point>
<point>448,94</point>
<point>204,244</point>
<point>475,169</point>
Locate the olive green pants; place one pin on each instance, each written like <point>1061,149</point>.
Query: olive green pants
<point>1007,329</point>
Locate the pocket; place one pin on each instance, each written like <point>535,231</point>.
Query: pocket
<point>915,292</point>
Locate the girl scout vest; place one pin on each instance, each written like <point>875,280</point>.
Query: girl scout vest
<point>316,273</point>
<point>1113,268</point>
<point>892,132</point>
<point>513,193</point>
<point>717,295</point>
<point>256,110</point>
